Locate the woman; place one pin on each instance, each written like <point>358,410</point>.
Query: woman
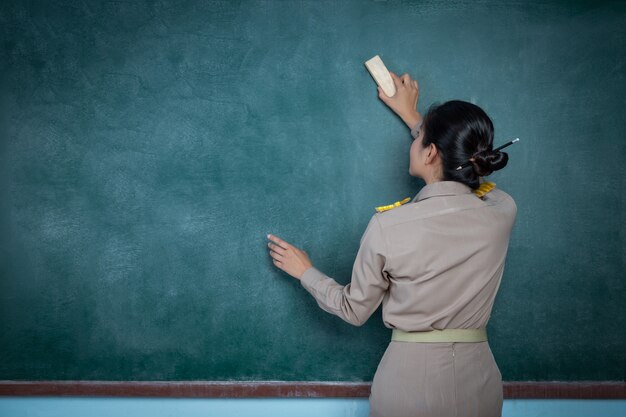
<point>434,263</point>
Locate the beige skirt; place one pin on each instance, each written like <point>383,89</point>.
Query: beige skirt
<point>450,379</point>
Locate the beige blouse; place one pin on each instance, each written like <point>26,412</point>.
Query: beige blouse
<point>434,263</point>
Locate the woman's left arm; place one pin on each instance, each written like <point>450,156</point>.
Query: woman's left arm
<point>354,302</point>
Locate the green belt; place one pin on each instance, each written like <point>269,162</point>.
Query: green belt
<point>444,335</point>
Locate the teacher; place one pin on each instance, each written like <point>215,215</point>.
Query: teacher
<point>435,263</point>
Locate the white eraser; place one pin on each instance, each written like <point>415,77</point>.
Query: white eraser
<point>381,75</point>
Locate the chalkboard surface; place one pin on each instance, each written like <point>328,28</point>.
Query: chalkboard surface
<point>147,148</point>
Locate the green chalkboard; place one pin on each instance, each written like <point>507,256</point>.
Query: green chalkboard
<point>147,148</point>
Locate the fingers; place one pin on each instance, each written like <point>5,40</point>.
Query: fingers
<point>381,95</point>
<point>279,250</point>
<point>405,80</point>
<point>288,258</point>
<point>278,255</point>
<point>409,82</point>
<point>278,241</point>
<point>396,80</point>
<point>278,263</point>
<point>276,250</point>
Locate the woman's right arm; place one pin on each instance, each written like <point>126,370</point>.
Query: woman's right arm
<point>356,301</point>
<point>404,102</point>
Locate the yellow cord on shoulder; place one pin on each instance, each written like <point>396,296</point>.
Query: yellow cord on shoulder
<point>484,188</point>
<point>390,206</point>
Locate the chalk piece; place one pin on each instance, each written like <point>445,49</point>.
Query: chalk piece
<point>381,75</point>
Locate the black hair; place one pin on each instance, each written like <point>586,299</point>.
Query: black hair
<point>460,131</point>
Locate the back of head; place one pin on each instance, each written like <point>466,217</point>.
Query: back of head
<point>460,131</point>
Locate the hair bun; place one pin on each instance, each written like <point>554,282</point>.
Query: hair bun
<point>487,161</point>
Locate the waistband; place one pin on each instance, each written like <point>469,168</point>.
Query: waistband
<point>444,335</point>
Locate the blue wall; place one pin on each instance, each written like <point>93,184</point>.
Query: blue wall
<point>161,407</point>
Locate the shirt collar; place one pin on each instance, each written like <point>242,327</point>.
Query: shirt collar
<point>440,188</point>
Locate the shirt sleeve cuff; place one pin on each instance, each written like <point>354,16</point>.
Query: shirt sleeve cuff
<point>415,129</point>
<point>310,277</point>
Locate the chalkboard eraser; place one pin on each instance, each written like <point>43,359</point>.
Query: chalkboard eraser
<point>381,75</point>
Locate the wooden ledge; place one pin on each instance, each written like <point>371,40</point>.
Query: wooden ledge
<point>281,389</point>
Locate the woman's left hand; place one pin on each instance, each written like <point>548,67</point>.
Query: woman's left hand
<point>404,102</point>
<point>287,257</point>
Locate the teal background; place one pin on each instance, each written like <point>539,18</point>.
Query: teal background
<point>147,148</point>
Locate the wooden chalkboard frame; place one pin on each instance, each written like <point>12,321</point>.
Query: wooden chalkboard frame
<point>208,389</point>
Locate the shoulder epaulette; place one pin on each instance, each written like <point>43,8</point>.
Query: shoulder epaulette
<point>394,205</point>
<point>484,188</point>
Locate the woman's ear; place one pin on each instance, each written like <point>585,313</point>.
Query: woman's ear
<point>431,155</point>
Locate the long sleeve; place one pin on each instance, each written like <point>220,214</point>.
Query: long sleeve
<point>356,301</point>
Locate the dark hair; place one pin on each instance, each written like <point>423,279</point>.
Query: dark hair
<point>460,131</point>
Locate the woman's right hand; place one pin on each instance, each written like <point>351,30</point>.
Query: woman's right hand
<point>404,102</point>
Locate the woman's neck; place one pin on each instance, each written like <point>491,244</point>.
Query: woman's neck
<point>429,179</point>
<point>434,173</point>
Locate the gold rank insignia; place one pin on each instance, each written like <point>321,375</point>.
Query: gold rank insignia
<point>394,205</point>
<point>483,189</point>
